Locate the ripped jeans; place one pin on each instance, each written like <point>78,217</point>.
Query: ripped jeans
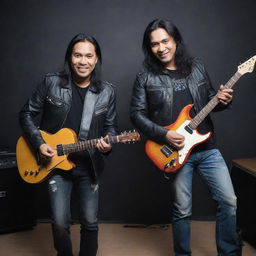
<point>210,165</point>
<point>60,188</point>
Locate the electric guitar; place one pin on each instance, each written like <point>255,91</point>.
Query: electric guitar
<point>166,157</point>
<point>33,172</point>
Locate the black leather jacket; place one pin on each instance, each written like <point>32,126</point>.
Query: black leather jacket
<point>52,100</point>
<point>152,100</point>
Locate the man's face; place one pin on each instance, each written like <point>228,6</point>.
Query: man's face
<point>163,47</point>
<point>83,59</point>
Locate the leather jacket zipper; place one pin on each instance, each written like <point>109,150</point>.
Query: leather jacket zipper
<point>58,104</point>
<point>101,110</point>
<point>93,166</point>
<point>66,115</point>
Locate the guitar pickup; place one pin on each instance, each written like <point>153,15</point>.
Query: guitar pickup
<point>188,129</point>
<point>166,151</point>
<point>60,151</point>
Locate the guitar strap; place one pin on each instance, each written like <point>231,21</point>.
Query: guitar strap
<point>89,104</point>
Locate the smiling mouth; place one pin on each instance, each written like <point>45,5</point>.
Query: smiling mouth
<point>163,55</point>
<point>84,69</point>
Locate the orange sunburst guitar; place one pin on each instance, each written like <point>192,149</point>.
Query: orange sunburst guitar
<point>32,172</point>
<point>169,159</point>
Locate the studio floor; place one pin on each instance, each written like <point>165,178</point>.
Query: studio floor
<point>115,240</point>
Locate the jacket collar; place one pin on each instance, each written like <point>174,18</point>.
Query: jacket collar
<point>94,88</point>
<point>164,72</point>
<point>67,83</point>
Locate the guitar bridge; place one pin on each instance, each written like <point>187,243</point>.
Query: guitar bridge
<point>166,151</point>
<point>60,150</point>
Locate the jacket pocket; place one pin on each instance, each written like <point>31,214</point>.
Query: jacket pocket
<point>54,101</point>
<point>154,88</point>
<point>201,82</point>
<point>155,94</point>
<point>101,110</point>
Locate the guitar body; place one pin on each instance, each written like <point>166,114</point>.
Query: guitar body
<point>166,157</point>
<point>30,171</point>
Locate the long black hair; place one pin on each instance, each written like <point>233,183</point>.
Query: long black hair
<point>183,61</point>
<point>95,76</point>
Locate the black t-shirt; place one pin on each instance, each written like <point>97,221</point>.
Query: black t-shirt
<point>181,94</point>
<point>181,98</point>
<point>74,117</point>
<point>81,159</point>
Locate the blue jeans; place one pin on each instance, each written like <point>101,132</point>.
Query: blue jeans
<point>210,165</point>
<point>60,188</point>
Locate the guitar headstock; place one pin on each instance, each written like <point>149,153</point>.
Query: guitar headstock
<point>247,66</point>
<point>129,137</point>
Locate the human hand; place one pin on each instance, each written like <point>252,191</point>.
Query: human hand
<point>103,146</point>
<point>46,151</point>
<point>175,139</point>
<point>225,95</point>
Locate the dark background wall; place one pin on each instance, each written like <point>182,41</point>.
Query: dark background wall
<point>34,37</point>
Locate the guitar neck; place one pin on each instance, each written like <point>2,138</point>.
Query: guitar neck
<point>212,103</point>
<point>64,149</point>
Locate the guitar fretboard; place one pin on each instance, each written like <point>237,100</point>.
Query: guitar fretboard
<point>125,137</point>
<point>88,144</point>
<point>212,103</point>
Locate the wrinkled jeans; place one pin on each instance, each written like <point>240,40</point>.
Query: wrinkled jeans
<point>210,165</point>
<point>60,188</point>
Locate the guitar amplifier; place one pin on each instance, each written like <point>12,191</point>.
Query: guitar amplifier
<point>7,160</point>
<point>244,180</point>
<point>16,197</point>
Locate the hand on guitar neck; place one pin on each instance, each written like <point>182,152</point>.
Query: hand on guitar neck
<point>225,95</point>
<point>103,146</point>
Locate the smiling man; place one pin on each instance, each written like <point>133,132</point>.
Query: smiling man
<point>75,98</point>
<point>171,80</point>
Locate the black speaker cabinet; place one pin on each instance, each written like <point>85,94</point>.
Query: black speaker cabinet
<point>243,174</point>
<point>16,201</point>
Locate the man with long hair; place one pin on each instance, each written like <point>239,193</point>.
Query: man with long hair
<point>171,79</point>
<point>78,99</point>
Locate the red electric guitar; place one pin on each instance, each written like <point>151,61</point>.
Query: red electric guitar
<point>166,157</point>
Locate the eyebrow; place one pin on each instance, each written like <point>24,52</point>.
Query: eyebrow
<point>88,53</point>
<point>156,42</point>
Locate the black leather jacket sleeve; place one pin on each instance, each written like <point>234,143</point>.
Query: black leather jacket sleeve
<point>139,113</point>
<point>32,108</point>
<point>110,124</point>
